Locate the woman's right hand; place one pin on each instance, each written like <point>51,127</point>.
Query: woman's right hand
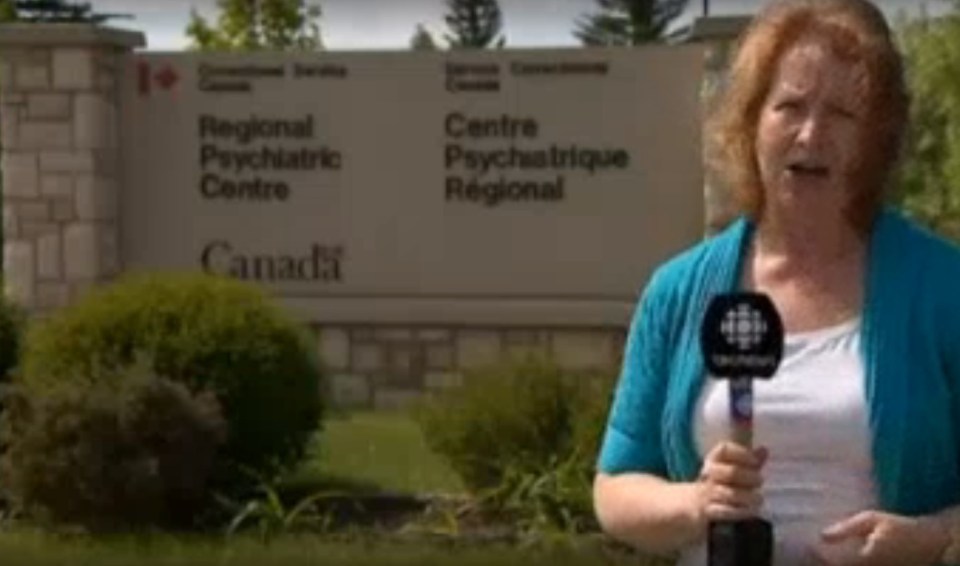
<point>729,483</point>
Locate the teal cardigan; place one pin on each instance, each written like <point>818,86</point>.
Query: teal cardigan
<point>910,347</point>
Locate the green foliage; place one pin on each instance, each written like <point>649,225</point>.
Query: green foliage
<point>555,497</point>
<point>270,516</point>
<point>524,436</point>
<point>252,25</point>
<point>206,332</point>
<point>929,179</point>
<point>628,22</point>
<point>8,13</point>
<point>125,453</point>
<point>12,326</point>
<point>474,24</point>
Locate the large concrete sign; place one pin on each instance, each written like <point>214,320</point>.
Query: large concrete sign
<point>538,186</point>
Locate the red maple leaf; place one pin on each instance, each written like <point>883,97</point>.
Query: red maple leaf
<point>167,77</point>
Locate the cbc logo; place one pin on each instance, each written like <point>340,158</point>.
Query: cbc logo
<point>743,327</point>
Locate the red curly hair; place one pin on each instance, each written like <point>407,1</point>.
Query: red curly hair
<point>856,31</point>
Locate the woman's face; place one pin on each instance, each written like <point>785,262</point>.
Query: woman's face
<point>808,132</point>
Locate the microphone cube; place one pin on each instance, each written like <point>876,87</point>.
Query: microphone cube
<point>747,542</point>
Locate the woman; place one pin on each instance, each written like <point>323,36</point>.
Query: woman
<point>859,432</point>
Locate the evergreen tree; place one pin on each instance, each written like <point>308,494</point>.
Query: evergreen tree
<point>251,25</point>
<point>422,40</point>
<point>628,22</point>
<point>35,11</point>
<point>474,24</point>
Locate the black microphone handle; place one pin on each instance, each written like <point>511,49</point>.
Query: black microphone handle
<point>747,542</point>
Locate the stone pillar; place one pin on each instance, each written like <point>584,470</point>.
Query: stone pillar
<point>718,35</point>
<point>59,158</point>
<point>718,203</point>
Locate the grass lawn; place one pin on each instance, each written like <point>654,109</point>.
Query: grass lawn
<point>375,450</point>
<point>28,549</point>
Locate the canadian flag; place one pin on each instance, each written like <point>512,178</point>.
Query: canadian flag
<point>165,77</point>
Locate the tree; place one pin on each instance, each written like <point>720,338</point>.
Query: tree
<point>7,12</point>
<point>627,22</point>
<point>252,25</point>
<point>928,181</point>
<point>422,40</point>
<point>35,11</point>
<point>474,24</point>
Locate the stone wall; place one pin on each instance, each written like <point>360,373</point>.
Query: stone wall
<point>388,367</point>
<point>60,158</point>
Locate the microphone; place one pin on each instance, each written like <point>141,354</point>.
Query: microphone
<point>742,340</point>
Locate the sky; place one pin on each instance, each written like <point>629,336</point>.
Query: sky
<point>389,24</point>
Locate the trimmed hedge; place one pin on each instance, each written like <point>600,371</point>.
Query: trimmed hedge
<point>207,333</point>
<point>136,453</point>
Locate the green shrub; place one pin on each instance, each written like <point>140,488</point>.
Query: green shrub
<point>524,436</point>
<point>132,453</point>
<point>12,323</point>
<point>208,333</point>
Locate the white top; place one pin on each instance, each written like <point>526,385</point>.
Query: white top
<point>812,417</point>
